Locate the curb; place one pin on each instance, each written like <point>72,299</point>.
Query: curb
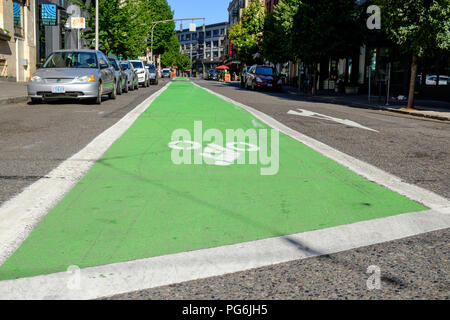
<point>374,107</point>
<point>13,100</point>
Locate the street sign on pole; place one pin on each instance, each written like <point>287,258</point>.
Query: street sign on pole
<point>77,23</point>
<point>192,27</point>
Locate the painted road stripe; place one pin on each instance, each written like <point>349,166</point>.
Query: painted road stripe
<point>315,115</point>
<point>112,279</point>
<point>20,214</point>
<point>368,171</point>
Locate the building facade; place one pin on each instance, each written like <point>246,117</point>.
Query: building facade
<point>32,29</point>
<point>235,10</point>
<point>205,48</point>
<point>17,39</point>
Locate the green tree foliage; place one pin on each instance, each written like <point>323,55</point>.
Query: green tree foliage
<point>326,29</point>
<point>157,10</point>
<point>170,56</point>
<point>420,27</point>
<point>125,25</point>
<point>247,34</point>
<point>183,62</point>
<point>278,37</point>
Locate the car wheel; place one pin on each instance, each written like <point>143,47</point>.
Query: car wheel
<point>98,100</point>
<point>113,93</point>
<point>119,87</point>
<point>126,86</point>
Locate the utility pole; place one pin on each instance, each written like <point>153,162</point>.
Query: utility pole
<point>96,24</point>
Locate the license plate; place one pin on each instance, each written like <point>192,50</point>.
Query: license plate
<point>58,89</point>
<point>269,84</point>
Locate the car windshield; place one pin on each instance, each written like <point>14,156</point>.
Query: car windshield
<point>71,59</point>
<point>212,71</point>
<point>124,66</point>
<point>137,64</point>
<point>151,68</point>
<point>115,65</point>
<point>166,71</point>
<point>264,71</point>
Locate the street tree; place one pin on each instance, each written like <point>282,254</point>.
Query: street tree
<point>183,62</point>
<point>247,35</point>
<point>419,27</point>
<point>119,30</point>
<point>156,10</point>
<point>170,56</point>
<point>278,37</point>
<point>327,29</point>
<point>125,26</point>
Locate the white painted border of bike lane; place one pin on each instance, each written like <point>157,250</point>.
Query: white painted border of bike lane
<point>147,273</point>
<point>20,214</point>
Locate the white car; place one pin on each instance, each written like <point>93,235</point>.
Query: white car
<point>142,72</point>
<point>443,80</point>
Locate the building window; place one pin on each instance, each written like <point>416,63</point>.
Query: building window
<point>216,33</point>
<point>222,31</point>
<point>17,12</point>
<point>216,44</point>
<point>208,34</point>
<point>188,37</point>
<point>194,36</point>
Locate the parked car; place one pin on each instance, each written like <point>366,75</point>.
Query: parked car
<point>244,75</point>
<point>121,76</point>
<point>132,78</point>
<point>142,72</point>
<point>443,80</point>
<point>166,73</point>
<point>213,74</point>
<point>259,77</point>
<point>76,74</point>
<point>153,74</point>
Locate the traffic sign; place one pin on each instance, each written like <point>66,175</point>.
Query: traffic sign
<point>77,23</point>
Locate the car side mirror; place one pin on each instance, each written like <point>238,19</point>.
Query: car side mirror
<point>103,66</point>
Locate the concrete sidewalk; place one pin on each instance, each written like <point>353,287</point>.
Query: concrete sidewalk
<point>13,92</point>
<point>439,110</point>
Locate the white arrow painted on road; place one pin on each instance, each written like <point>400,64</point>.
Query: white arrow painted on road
<point>306,113</point>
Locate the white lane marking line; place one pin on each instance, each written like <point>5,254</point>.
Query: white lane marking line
<point>95,282</point>
<point>315,115</point>
<point>19,215</point>
<point>368,171</point>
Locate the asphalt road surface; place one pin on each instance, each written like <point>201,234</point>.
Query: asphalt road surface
<point>36,138</point>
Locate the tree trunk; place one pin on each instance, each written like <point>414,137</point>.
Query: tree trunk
<point>412,82</point>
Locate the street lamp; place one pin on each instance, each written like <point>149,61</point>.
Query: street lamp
<point>165,21</point>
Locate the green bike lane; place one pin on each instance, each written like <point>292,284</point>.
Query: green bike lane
<point>136,203</point>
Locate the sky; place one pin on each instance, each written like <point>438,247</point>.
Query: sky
<point>213,11</point>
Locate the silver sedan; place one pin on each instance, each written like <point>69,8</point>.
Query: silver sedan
<point>78,74</point>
